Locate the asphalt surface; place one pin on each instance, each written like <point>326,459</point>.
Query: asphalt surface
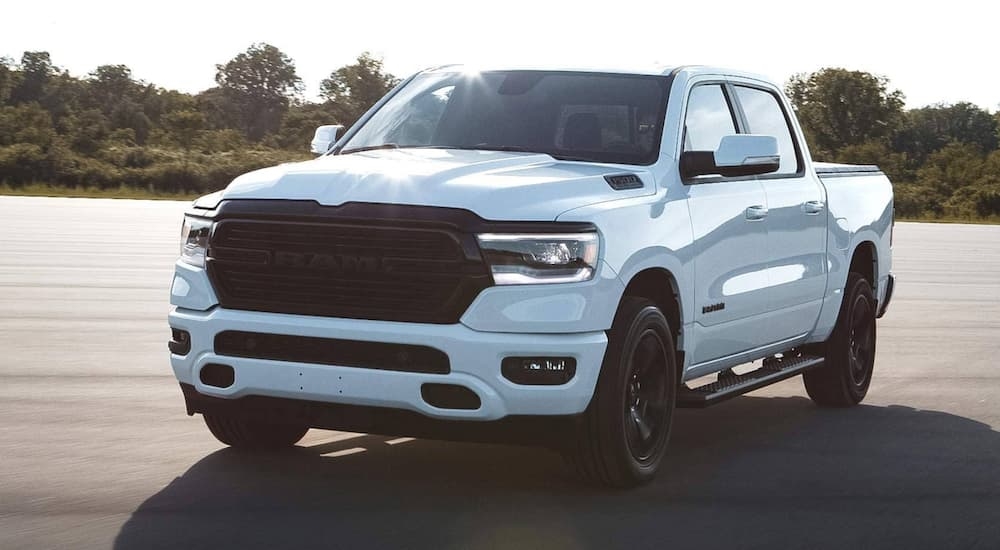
<point>96,451</point>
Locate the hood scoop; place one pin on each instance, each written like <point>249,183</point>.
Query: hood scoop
<point>622,182</point>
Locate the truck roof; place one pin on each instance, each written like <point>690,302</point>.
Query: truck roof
<point>649,70</point>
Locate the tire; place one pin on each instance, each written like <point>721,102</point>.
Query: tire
<point>247,433</point>
<point>850,351</point>
<point>622,437</point>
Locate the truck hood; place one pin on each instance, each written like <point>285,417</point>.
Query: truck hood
<point>495,185</point>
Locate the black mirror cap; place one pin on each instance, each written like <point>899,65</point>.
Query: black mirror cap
<point>702,163</point>
<point>697,163</point>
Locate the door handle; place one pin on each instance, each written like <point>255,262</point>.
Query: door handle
<point>756,212</point>
<point>813,207</point>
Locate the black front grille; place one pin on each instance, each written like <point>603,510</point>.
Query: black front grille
<point>346,268</point>
<point>332,351</point>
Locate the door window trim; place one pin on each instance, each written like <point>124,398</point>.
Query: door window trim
<point>800,161</point>
<point>742,127</point>
<point>734,114</point>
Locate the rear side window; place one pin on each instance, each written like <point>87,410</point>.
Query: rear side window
<point>765,116</point>
<point>708,118</point>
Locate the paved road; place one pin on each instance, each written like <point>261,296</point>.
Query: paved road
<point>96,452</point>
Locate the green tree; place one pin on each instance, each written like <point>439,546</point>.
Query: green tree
<point>157,102</point>
<point>22,163</point>
<point>928,129</point>
<point>893,163</point>
<point>87,131</point>
<point>218,141</point>
<point>185,127</point>
<point>26,135</point>
<point>36,71</point>
<point>62,96</point>
<point>837,107</point>
<point>122,99</point>
<point>109,85</point>
<point>982,198</point>
<point>301,122</point>
<point>948,170</point>
<point>997,117</point>
<point>258,85</point>
<point>353,89</point>
<point>37,80</point>
<point>8,78</point>
<point>219,111</point>
<point>26,124</point>
<point>129,115</point>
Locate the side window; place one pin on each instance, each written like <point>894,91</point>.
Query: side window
<point>708,118</point>
<point>765,116</point>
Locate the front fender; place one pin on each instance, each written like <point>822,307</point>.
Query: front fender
<point>663,258</point>
<point>641,234</point>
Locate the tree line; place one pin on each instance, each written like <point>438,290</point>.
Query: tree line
<point>109,130</point>
<point>943,159</point>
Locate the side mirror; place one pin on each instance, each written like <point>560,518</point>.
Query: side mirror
<point>324,137</point>
<point>737,155</point>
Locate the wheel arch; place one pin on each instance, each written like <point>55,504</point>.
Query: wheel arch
<point>660,286</point>
<point>864,260</point>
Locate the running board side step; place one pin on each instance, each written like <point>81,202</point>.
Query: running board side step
<point>730,384</point>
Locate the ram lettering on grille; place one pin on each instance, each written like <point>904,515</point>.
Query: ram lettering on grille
<point>349,270</point>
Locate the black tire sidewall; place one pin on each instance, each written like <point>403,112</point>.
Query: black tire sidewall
<point>833,384</point>
<point>859,288</point>
<point>253,434</point>
<point>635,317</point>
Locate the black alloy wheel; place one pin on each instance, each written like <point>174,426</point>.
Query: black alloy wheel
<point>844,378</point>
<point>646,399</point>
<point>862,341</point>
<point>621,439</point>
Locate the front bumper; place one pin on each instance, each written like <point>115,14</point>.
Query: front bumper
<point>475,359</point>
<point>545,431</point>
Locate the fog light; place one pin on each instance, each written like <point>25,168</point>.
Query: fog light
<point>216,375</point>
<point>538,371</point>
<point>450,396</point>
<point>180,341</point>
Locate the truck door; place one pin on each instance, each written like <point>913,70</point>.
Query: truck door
<point>796,221</point>
<point>729,239</point>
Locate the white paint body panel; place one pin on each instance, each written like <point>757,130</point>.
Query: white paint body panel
<point>781,277</point>
<point>475,357</point>
<point>495,185</point>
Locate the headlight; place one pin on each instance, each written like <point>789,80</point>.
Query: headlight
<point>194,240</point>
<point>525,259</point>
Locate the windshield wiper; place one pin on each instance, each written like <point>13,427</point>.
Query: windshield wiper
<point>369,148</point>
<point>519,149</point>
<point>558,156</point>
<point>482,147</point>
<point>510,148</point>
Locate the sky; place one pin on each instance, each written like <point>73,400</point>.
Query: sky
<point>933,51</point>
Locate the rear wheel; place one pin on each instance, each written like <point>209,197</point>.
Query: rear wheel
<point>247,433</point>
<point>850,351</point>
<point>622,437</point>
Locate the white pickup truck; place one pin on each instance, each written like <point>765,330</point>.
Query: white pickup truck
<point>558,257</point>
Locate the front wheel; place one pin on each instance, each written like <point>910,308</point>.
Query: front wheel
<point>248,433</point>
<point>850,351</point>
<point>622,437</point>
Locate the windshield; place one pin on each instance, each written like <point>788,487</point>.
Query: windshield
<point>596,117</point>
